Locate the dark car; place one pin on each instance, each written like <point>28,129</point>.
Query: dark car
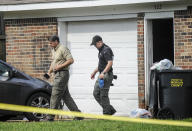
<point>19,88</point>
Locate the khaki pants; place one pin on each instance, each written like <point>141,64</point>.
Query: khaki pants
<point>60,91</point>
<point>101,94</point>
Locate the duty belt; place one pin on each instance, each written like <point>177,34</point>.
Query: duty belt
<point>60,71</point>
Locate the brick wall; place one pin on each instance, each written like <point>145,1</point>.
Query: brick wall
<point>141,71</point>
<point>27,44</point>
<point>183,38</point>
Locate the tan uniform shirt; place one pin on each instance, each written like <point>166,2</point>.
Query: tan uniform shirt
<point>60,54</point>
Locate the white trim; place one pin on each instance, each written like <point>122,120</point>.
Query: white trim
<point>159,15</point>
<point>98,17</point>
<point>62,32</point>
<point>150,16</point>
<point>76,4</point>
<point>146,58</point>
<point>75,13</point>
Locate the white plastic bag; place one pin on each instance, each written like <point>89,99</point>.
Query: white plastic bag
<point>140,113</point>
<point>163,64</point>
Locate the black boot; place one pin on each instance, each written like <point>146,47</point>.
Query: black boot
<point>78,118</point>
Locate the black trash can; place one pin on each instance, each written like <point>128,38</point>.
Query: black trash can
<point>171,92</point>
<point>153,93</point>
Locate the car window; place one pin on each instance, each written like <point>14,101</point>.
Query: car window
<point>4,73</point>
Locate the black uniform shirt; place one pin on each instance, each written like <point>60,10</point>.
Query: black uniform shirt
<point>105,55</point>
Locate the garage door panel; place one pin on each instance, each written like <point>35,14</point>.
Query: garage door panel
<point>124,89</point>
<point>84,92</point>
<point>102,26</point>
<point>123,57</point>
<point>120,44</point>
<point>86,45</point>
<point>120,105</point>
<point>81,45</point>
<point>93,64</point>
<point>124,95</point>
<point>84,79</point>
<point>81,89</point>
<point>106,37</point>
<point>116,71</point>
<point>123,106</point>
<point>126,80</point>
<point>109,31</point>
<point>82,56</point>
<point>93,108</point>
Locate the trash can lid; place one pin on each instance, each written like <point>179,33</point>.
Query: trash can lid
<point>175,71</point>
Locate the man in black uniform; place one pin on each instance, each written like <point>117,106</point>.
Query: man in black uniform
<point>106,73</point>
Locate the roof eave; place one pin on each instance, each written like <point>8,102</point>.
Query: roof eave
<point>75,4</point>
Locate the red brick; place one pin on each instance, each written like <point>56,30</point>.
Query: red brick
<point>141,75</point>
<point>25,38</point>
<point>183,52</point>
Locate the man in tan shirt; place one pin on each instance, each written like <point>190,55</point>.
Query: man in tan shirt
<point>62,59</point>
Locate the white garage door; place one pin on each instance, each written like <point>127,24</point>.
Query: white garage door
<point>121,36</point>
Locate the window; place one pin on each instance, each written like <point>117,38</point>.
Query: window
<point>4,73</point>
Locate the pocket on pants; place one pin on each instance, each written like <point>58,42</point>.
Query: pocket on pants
<point>57,81</point>
<point>108,77</point>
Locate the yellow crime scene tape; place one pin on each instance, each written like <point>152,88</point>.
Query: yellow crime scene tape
<point>86,115</point>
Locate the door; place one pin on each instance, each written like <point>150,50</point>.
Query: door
<point>159,45</point>
<point>121,36</point>
<point>9,91</point>
<point>163,47</point>
<point>4,76</point>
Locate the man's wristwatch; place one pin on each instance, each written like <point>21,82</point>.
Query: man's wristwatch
<point>103,73</point>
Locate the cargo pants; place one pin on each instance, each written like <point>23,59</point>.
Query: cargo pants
<point>101,94</point>
<point>60,91</point>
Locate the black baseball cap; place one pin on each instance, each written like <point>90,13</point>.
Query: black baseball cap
<point>54,38</point>
<point>96,39</point>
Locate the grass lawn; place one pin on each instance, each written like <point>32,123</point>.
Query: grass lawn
<point>87,125</point>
